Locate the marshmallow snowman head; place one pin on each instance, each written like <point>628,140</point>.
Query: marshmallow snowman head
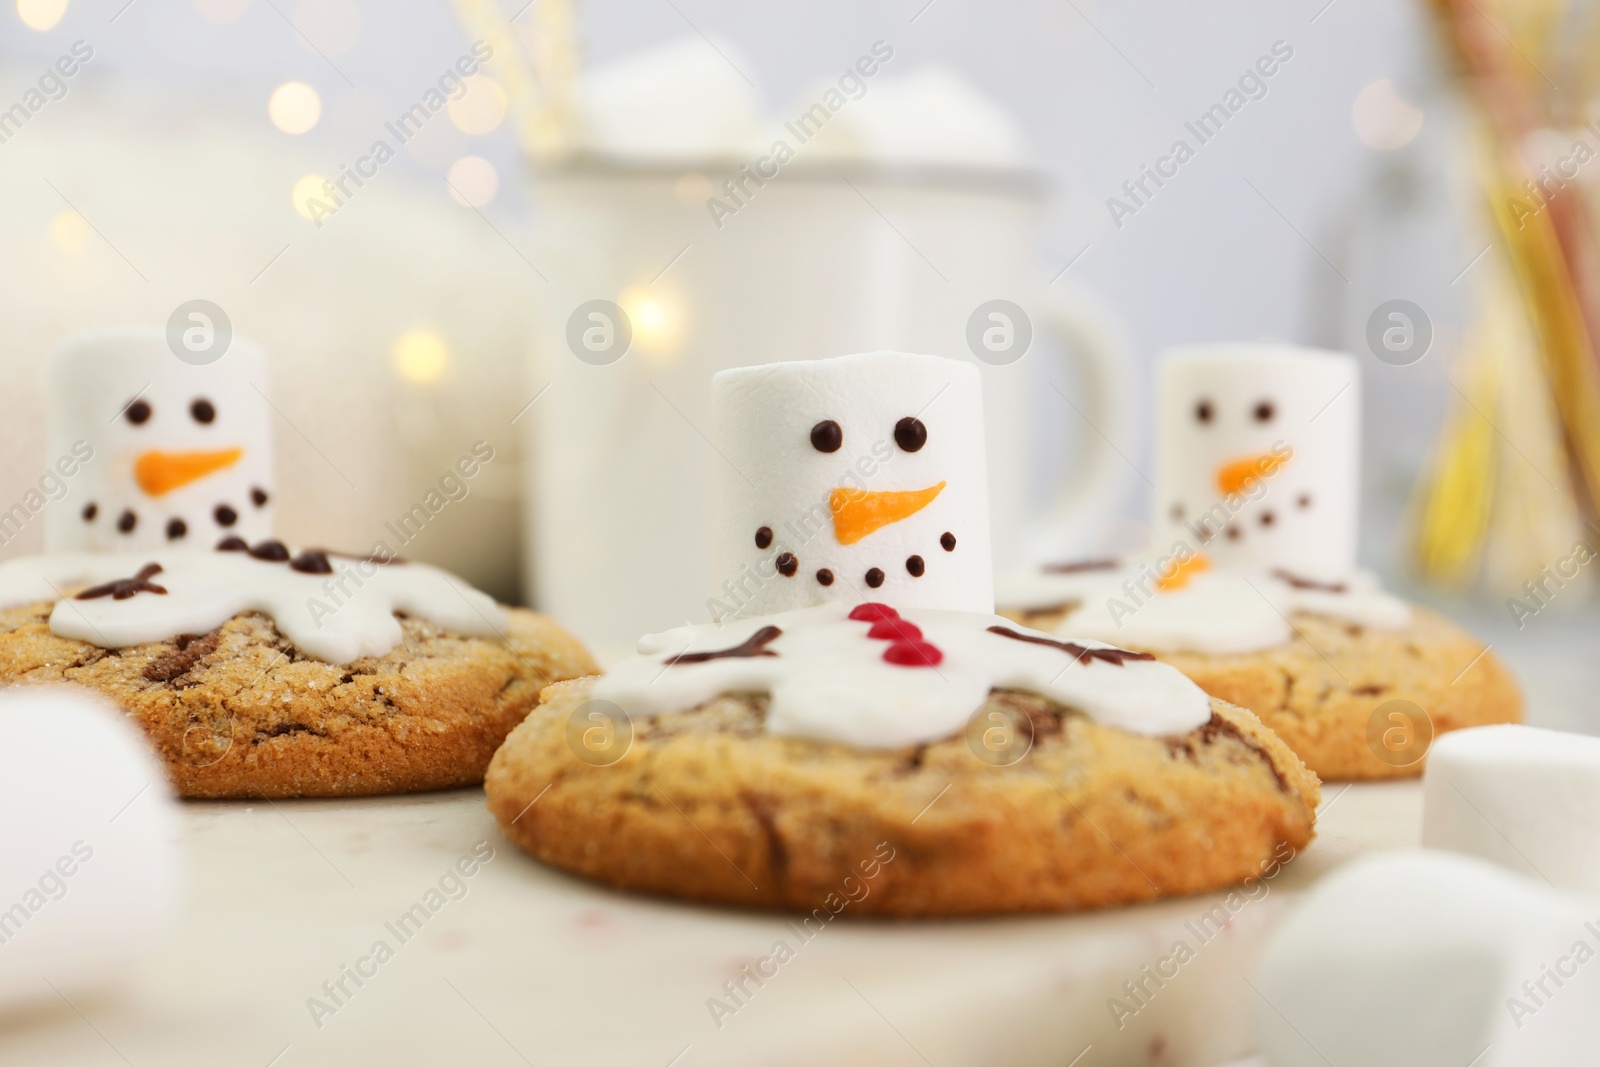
<point>182,454</point>
<point>1258,457</point>
<point>856,478</point>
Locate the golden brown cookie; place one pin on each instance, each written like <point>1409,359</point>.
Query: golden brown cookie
<point>238,712</point>
<point>706,805</point>
<point>1322,693</point>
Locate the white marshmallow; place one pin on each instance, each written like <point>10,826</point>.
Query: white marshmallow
<point>1526,798</point>
<point>173,467</point>
<point>90,874</point>
<point>1428,959</point>
<point>1221,406</point>
<point>818,505</point>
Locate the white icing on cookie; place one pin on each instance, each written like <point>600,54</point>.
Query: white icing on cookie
<point>1215,612</point>
<point>829,680</point>
<point>336,617</point>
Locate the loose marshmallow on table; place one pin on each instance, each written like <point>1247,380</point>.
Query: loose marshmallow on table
<point>855,478</point>
<point>90,872</point>
<point>1429,959</point>
<point>181,453</point>
<point>1526,798</point>
<point>1258,457</point>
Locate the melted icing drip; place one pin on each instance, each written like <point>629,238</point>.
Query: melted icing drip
<point>337,615</point>
<point>831,679</point>
<point>1080,653</point>
<point>755,645</point>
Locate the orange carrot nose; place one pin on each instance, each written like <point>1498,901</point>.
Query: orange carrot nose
<point>856,512</point>
<point>1176,575</point>
<point>159,473</point>
<point>1236,475</point>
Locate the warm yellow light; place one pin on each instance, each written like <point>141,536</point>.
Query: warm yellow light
<point>692,189</point>
<point>69,231</point>
<point>481,108</point>
<point>313,197</point>
<point>221,12</point>
<point>473,181</point>
<point>421,355</point>
<point>294,107</point>
<point>41,15</point>
<point>657,321</point>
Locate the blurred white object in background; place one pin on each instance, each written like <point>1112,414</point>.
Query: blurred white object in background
<point>1523,797</point>
<point>1430,959</point>
<point>180,449</point>
<point>799,254</point>
<point>90,872</point>
<point>681,100</point>
<point>933,116</point>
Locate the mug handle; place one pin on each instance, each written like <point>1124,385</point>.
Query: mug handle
<point>1093,343</point>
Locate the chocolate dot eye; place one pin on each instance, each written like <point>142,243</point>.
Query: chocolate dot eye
<point>1177,512</point>
<point>138,412</point>
<point>177,529</point>
<point>787,564</point>
<point>1264,411</point>
<point>915,566</point>
<point>203,411</point>
<point>1268,518</point>
<point>764,537</point>
<point>874,578</point>
<point>258,495</point>
<point>127,521</point>
<point>90,510</point>
<point>910,434</point>
<point>1204,411</point>
<point>1234,533</point>
<point>824,577</point>
<point>948,541</point>
<point>826,436</point>
<point>1305,500</point>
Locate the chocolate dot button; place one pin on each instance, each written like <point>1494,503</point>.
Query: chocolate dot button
<point>826,436</point>
<point>233,543</point>
<point>787,564</point>
<point>915,566</point>
<point>1305,500</point>
<point>824,577</point>
<point>271,551</point>
<point>1268,518</point>
<point>138,412</point>
<point>948,542</point>
<point>874,578</point>
<point>90,510</point>
<point>312,561</point>
<point>177,529</point>
<point>910,434</point>
<point>127,521</point>
<point>1264,411</point>
<point>203,411</point>
<point>1234,533</point>
<point>1204,411</point>
<point>225,515</point>
<point>258,497</point>
<point>764,537</point>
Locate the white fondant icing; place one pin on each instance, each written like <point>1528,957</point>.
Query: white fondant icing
<point>1216,612</point>
<point>179,451</point>
<point>335,617</point>
<point>829,681</point>
<point>776,479</point>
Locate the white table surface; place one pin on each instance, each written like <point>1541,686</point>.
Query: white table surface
<point>531,966</point>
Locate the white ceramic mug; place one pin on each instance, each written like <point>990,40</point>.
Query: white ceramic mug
<point>816,263</point>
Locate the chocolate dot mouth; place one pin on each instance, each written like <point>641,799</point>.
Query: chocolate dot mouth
<point>177,530</point>
<point>764,537</point>
<point>824,577</point>
<point>947,541</point>
<point>127,521</point>
<point>90,510</point>
<point>874,578</point>
<point>225,515</point>
<point>915,566</point>
<point>787,564</point>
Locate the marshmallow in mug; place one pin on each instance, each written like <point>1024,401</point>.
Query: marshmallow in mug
<point>182,454</point>
<point>853,478</point>
<point>1257,461</point>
